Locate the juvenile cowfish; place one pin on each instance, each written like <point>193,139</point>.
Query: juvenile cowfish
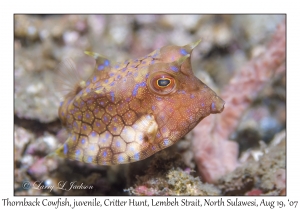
<point>128,111</point>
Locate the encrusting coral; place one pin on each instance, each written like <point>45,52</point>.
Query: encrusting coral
<point>263,172</point>
<point>215,155</point>
<point>165,177</point>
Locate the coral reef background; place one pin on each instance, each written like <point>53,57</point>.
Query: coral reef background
<point>239,152</point>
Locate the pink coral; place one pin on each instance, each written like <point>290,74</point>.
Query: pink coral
<point>215,155</point>
<point>143,190</point>
<point>254,192</point>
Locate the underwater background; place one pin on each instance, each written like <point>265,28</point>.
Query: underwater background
<point>240,152</point>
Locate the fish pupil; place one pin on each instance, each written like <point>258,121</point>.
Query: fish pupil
<point>163,82</point>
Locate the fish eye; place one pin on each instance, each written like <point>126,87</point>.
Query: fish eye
<point>162,83</point>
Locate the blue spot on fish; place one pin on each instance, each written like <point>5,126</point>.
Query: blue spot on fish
<point>183,52</point>
<point>213,105</point>
<point>112,94</point>
<point>92,147</point>
<point>135,90</point>
<point>94,133</point>
<point>104,154</point>
<point>65,149</point>
<point>136,156</point>
<point>202,104</point>
<point>82,141</point>
<point>111,74</point>
<point>174,68</point>
<point>107,135</point>
<point>90,159</point>
<point>84,127</point>
<point>120,159</point>
<point>166,142</point>
<point>105,119</point>
<point>77,153</point>
<point>95,79</point>
<point>106,62</point>
<point>101,67</point>
<point>118,144</point>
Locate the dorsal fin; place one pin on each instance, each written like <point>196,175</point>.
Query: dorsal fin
<point>102,63</point>
<point>72,73</point>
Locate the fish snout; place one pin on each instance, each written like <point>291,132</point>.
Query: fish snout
<point>217,105</point>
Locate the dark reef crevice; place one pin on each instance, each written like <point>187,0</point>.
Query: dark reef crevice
<point>37,127</point>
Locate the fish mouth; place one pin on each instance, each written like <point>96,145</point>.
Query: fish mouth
<point>217,105</point>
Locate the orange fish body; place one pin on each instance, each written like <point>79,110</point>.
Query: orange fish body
<point>127,112</point>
